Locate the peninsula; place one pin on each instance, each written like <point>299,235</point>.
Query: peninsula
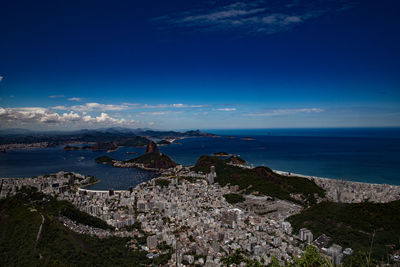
<point>151,160</point>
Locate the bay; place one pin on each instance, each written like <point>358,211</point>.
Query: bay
<point>365,155</point>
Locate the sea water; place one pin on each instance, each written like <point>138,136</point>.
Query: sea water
<point>365,155</point>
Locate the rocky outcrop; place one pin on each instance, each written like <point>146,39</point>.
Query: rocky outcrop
<point>152,148</point>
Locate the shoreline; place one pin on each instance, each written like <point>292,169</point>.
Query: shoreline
<point>280,172</point>
<point>336,190</point>
<point>83,186</point>
<point>345,191</point>
<point>310,177</point>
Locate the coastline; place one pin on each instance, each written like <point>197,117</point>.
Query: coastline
<point>351,192</point>
<point>310,177</point>
<point>83,186</point>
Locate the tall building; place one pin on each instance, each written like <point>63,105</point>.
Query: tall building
<point>152,242</point>
<point>306,235</point>
<point>335,252</point>
<point>212,175</point>
<point>287,227</point>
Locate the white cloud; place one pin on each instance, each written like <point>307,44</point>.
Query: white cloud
<point>130,104</point>
<point>156,113</point>
<point>278,112</point>
<point>56,96</point>
<point>257,16</point>
<point>60,108</point>
<point>226,109</point>
<point>171,106</point>
<point>186,106</point>
<point>227,12</point>
<point>92,107</point>
<point>35,115</point>
<point>78,99</point>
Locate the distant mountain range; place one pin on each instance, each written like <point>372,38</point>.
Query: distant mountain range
<point>17,135</point>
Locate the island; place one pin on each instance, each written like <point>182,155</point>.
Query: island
<point>104,160</point>
<point>151,160</point>
<point>68,148</point>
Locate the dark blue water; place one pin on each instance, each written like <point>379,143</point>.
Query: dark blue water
<point>34,162</point>
<point>366,155</point>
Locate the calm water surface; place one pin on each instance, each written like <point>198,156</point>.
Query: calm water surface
<point>366,156</point>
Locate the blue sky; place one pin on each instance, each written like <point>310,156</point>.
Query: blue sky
<point>199,64</point>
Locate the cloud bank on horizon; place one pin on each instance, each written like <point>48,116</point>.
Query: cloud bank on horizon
<point>94,114</point>
<point>173,116</point>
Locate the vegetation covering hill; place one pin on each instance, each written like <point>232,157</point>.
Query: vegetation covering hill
<point>357,225</point>
<point>221,154</point>
<point>234,198</point>
<point>56,138</point>
<point>104,146</point>
<point>119,136</point>
<point>137,141</point>
<point>68,147</point>
<point>20,219</point>
<point>154,160</point>
<point>104,160</point>
<point>236,160</point>
<point>261,179</point>
<point>166,134</point>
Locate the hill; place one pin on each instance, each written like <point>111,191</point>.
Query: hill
<point>120,136</point>
<point>236,160</point>
<point>104,160</point>
<point>262,180</point>
<point>136,141</point>
<point>20,219</point>
<point>355,225</point>
<point>154,161</point>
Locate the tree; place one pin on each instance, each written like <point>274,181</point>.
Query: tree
<point>312,258</point>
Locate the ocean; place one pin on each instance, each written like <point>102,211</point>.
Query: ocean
<point>364,155</point>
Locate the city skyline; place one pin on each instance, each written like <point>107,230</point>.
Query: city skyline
<point>208,65</point>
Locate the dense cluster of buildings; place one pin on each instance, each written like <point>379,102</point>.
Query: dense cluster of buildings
<point>114,207</point>
<point>52,184</point>
<point>190,214</point>
<point>93,231</point>
<point>353,192</point>
<point>195,218</point>
<point>13,146</point>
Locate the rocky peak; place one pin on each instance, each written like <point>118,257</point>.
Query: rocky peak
<point>152,148</point>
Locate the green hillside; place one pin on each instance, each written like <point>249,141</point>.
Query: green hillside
<point>20,219</point>
<point>260,179</point>
<point>154,160</point>
<point>355,225</point>
<point>104,160</point>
